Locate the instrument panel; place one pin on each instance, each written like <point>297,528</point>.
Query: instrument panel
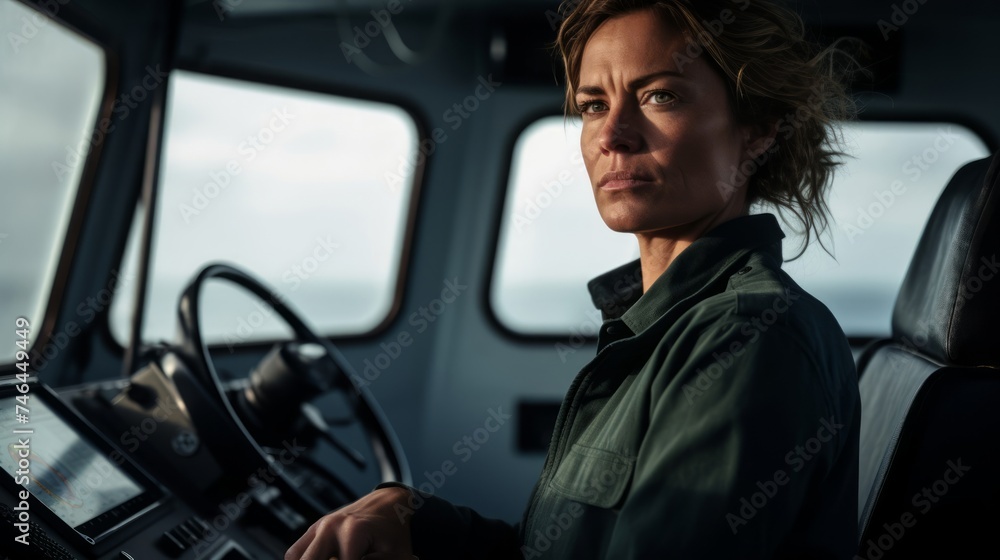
<point>68,492</point>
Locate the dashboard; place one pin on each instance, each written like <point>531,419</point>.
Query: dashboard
<point>68,492</point>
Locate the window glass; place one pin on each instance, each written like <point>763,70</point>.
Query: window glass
<point>51,81</point>
<point>552,239</point>
<point>308,192</point>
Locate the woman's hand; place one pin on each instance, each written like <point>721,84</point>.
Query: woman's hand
<point>370,528</point>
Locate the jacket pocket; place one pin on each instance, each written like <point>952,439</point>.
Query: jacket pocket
<point>593,476</point>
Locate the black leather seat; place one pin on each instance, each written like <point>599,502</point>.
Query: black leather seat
<point>930,395</point>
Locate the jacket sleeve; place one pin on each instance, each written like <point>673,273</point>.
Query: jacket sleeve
<point>723,470</point>
<point>443,531</point>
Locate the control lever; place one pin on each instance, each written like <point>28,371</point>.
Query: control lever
<point>315,419</point>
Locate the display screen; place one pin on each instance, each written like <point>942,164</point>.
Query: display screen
<point>67,473</point>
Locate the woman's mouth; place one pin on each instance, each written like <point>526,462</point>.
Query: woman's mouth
<point>620,180</point>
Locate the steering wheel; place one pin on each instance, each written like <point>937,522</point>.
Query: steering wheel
<point>277,394</point>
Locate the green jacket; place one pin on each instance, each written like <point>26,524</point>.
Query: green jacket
<point>718,420</point>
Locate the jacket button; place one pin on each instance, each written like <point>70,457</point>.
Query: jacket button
<point>745,269</point>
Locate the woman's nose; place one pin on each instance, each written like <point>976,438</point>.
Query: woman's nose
<point>619,134</point>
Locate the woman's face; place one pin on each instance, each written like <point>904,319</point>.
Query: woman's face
<point>659,140</point>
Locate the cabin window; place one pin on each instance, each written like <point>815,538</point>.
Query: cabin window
<point>51,82</point>
<point>552,240</point>
<point>309,192</point>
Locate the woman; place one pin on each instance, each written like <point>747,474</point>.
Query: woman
<point>720,416</point>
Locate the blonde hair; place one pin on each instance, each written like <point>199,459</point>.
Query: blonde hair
<point>774,76</point>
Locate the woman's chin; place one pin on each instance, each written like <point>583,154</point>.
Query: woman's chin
<point>622,224</point>
<point>623,218</point>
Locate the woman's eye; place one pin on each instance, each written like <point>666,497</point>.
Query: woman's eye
<point>662,97</point>
<point>586,107</point>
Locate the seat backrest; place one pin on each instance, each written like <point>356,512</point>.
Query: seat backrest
<point>930,396</point>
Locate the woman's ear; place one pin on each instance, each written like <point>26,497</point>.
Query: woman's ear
<point>759,138</point>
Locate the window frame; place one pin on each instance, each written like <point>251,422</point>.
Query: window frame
<point>398,293</point>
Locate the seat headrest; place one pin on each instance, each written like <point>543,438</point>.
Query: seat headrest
<point>948,304</point>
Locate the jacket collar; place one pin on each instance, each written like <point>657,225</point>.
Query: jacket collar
<point>618,293</point>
